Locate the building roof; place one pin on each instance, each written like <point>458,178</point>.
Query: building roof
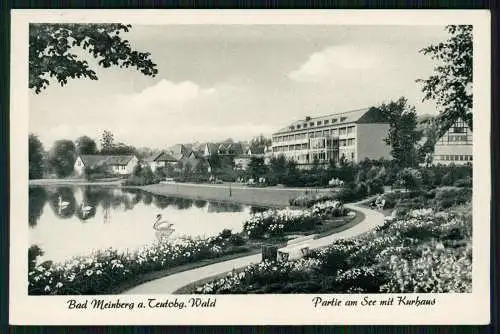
<point>225,148</point>
<point>365,115</point>
<point>212,147</point>
<point>233,148</point>
<point>114,160</point>
<point>258,150</point>
<point>179,150</point>
<point>161,156</point>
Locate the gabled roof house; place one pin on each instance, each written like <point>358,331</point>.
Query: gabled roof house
<point>117,164</point>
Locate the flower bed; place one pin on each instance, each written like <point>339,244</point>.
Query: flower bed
<point>102,270</point>
<point>276,223</point>
<point>421,252</point>
<point>308,200</point>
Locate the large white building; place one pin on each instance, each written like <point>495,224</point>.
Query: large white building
<point>354,135</point>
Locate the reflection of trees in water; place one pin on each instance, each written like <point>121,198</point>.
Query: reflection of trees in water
<point>147,198</point>
<point>199,203</point>
<point>257,209</point>
<point>36,201</point>
<point>183,203</point>
<point>67,196</point>
<point>162,202</point>
<point>224,207</point>
<point>136,195</point>
<point>106,197</point>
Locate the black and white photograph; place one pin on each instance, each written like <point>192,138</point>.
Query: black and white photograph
<point>193,162</point>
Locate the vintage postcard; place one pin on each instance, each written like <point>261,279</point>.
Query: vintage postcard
<point>250,167</point>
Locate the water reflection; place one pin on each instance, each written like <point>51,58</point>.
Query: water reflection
<point>102,217</point>
<point>224,207</point>
<point>199,203</point>
<point>37,198</point>
<point>63,202</point>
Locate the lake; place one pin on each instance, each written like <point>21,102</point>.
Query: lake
<point>70,221</point>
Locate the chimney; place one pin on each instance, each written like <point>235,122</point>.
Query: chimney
<point>308,118</point>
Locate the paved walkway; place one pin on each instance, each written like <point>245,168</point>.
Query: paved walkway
<point>169,284</point>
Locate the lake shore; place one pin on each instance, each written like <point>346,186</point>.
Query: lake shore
<point>237,193</point>
<point>76,182</point>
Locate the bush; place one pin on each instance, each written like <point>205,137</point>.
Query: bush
<point>275,223</point>
<point>410,178</point>
<point>375,186</point>
<point>236,240</point>
<point>100,272</point>
<point>141,176</point>
<point>466,182</point>
<point>421,252</point>
<point>308,200</point>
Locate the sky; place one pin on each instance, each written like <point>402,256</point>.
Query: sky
<point>218,82</point>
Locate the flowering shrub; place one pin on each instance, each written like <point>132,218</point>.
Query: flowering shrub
<point>308,200</point>
<point>438,269</point>
<point>99,272</point>
<point>276,223</point>
<point>422,251</point>
<point>259,275</point>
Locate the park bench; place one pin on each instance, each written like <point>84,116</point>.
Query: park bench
<point>295,248</point>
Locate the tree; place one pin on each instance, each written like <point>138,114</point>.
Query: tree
<point>410,178</point>
<point>403,134</point>
<point>85,145</point>
<point>256,167</point>
<point>106,142</point>
<point>121,149</point>
<point>215,162</point>
<point>278,167</point>
<point>316,166</point>
<point>36,164</point>
<point>451,85</point>
<point>62,157</point>
<point>201,167</point>
<point>431,134</point>
<point>259,142</point>
<point>51,52</point>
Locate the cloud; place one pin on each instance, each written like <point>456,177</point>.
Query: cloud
<point>166,93</point>
<point>326,64</point>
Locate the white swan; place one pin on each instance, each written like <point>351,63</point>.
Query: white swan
<point>162,225</point>
<point>163,228</point>
<point>62,204</point>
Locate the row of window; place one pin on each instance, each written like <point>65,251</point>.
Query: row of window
<point>455,139</point>
<point>448,157</point>
<point>459,127</point>
<point>317,123</point>
<point>315,144</point>
<point>321,156</point>
<point>316,134</point>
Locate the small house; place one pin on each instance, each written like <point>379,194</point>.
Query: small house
<point>115,164</point>
<point>160,160</point>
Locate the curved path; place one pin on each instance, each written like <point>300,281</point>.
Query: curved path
<point>169,284</point>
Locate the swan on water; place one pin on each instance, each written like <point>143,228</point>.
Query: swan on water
<point>163,229</point>
<point>162,225</point>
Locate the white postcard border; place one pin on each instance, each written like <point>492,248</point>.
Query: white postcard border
<point>473,308</point>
